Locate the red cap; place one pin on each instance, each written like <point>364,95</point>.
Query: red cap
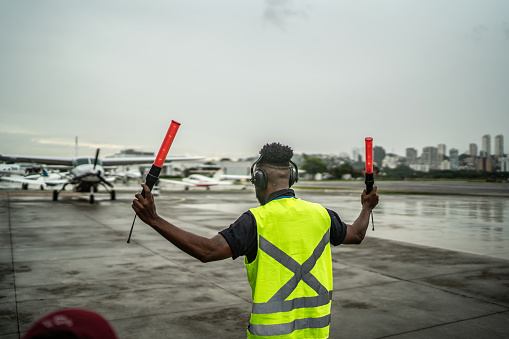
<point>82,323</point>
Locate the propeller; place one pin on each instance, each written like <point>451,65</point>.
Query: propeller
<point>103,179</point>
<point>96,157</point>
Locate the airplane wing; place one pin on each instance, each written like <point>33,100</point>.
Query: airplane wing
<point>196,184</point>
<point>56,182</point>
<point>105,161</point>
<point>168,181</point>
<point>143,160</point>
<point>38,181</point>
<point>37,160</point>
<point>23,180</point>
<point>235,177</point>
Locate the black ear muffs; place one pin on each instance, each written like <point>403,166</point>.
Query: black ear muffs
<point>259,177</point>
<point>294,173</point>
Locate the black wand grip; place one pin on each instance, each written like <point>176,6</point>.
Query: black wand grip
<point>152,178</point>
<point>369,181</point>
<point>150,181</point>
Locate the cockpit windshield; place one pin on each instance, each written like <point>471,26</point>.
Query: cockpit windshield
<point>85,161</point>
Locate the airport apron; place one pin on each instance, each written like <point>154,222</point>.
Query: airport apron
<point>291,277</point>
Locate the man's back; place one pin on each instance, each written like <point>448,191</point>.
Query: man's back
<point>291,277</point>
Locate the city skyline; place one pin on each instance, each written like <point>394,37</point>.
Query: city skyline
<point>473,147</point>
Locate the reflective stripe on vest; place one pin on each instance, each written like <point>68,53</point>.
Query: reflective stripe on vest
<point>278,302</point>
<point>282,329</point>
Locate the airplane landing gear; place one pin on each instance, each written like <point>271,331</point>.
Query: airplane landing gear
<point>91,197</point>
<point>112,195</point>
<point>55,195</point>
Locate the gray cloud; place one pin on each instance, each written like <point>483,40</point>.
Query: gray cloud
<point>278,12</point>
<point>476,34</point>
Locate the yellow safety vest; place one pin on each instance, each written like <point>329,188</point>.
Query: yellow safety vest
<point>291,277</point>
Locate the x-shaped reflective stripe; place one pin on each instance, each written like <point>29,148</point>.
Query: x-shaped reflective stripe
<point>301,272</point>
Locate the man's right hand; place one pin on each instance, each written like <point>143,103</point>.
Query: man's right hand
<point>145,207</point>
<point>369,200</point>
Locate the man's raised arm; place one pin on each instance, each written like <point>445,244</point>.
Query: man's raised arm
<point>203,249</point>
<point>356,232</point>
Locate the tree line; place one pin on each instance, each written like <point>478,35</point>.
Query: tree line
<point>315,165</point>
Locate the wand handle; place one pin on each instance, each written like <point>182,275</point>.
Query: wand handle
<point>152,178</point>
<point>369,187</point>
<point>369,181</point>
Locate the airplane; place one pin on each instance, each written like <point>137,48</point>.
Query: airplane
<point>127,174</point>
<point>199,180</point>
<point>42,179</point>
<point>11,169</point>
<point>86,173</point>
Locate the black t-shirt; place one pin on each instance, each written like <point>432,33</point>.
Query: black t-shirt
<point>242,234</point>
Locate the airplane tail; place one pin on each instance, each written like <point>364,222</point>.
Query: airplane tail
<point>218,175</point>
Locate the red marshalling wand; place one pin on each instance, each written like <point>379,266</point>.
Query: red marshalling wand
<point>155,170</point>
<point>369,180</point>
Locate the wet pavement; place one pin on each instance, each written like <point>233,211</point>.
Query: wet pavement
<point>435,266</point>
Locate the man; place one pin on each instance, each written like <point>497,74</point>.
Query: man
<point>286,245</point>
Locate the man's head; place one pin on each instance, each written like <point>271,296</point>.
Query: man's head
<point>273,171</point>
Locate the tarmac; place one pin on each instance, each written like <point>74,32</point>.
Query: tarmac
<point>74,254</point>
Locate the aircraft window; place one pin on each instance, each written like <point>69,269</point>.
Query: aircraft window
<point>81,161</point>
<point>85,161</point>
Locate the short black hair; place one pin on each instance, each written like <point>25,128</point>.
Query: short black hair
<point>276,154</point>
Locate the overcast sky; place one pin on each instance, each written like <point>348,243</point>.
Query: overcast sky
<point>318,75</point>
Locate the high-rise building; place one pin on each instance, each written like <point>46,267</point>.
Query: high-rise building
<point>441,152</point>
<point>357,156</point>
<point>486,145</point>
<point>430,156</point>
<point>484,164</point>
<point>473,150</point>
<point>454,158</point>
<point>411,156</point>
<point>504,164</point>
<point>378,155</point>
<point>499,145</point>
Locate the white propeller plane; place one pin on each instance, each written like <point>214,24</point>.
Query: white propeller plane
<point>85,173</point>
<point>199,180</point>
<point>41,180</point>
